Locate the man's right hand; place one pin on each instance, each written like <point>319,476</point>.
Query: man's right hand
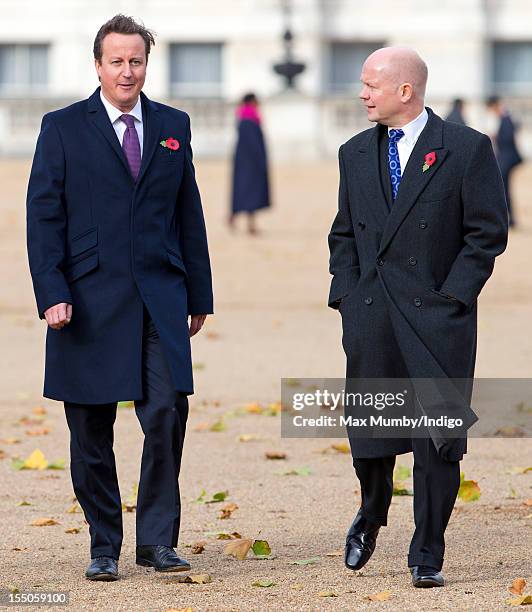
<point>59,315</point>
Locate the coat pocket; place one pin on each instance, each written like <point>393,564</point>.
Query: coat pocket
<point>81,267</point>
<point>83,242</point>
<point>436,196</point>
<point>176,261</point>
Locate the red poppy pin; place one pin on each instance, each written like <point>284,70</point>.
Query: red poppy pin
<point>430,158</point>
<point>170,143</point>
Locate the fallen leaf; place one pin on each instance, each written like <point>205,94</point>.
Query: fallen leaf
<point>2,454</point>
<point>291,382</point>
<point>469,490</point>
<point>521,407</point>
<point>201,426</point>
<point>73,530</point>
<point>263,583</point>
<point>217,497</point>
<point>382,596</point>
<point>274,409</point>
<point>341,448</point>
<point>310,561</point>
<point>198,366</point>
<point>254,408</point>
<point>39,410</point>
<point>218,426</point>
<point>36,461</point>
<point>335,553</point>
<point>519,470</point>
<point>227,510</point>
<point>195,579</point>
<point>189,609</point>
<point>298,586</point>
<point>261,548</point>
<point>24,503</point>
<point>130,504</point>
<point>528,502</point>
<point>301,471</point>
<point>58,464</point>
<point>524,600</point>
<point>238,549</point>
<point>10,441</point>
<point>38,432</point>
<point>327,594</point>
<point>399,489</point>
<point>44,522</point>
<point>275,455</point>
<point>518,586</point>
<point>224,535</point>
<point>198,547</point>
<point>509,432</point>
<point>402,472</point>
<point>211,335</point>
<point>248,437</point>
<point>74,509</point>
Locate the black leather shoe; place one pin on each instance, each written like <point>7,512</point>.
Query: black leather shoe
<point>102,568</point>
<point>162,558</point>
<point>360,542</point>
<point>425,577</point>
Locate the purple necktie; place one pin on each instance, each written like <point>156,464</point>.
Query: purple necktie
<point>131,145</point>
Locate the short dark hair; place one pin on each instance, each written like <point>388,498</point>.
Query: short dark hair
<point>122,24</point>
<point>493,100</point>
<point>249,98</point>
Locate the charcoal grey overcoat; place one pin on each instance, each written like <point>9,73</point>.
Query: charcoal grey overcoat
<point>407,274</point>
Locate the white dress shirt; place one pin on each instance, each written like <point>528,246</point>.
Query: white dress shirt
<point>412,130</point>
<point>119,126</point>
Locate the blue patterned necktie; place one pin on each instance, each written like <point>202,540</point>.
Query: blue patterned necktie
<point>394,164</point>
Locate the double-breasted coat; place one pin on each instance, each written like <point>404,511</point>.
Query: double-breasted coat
<point>110,246</point>
<point>397,265</point>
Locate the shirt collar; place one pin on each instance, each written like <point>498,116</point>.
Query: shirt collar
<point>413,129</point>
<point>115,113</point>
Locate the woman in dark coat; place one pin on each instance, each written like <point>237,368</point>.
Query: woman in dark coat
<point>250,171</point>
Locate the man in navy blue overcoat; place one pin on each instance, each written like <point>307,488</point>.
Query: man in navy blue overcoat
<point>119,260</point>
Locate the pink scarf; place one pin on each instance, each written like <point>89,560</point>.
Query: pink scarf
<point>248,111</point>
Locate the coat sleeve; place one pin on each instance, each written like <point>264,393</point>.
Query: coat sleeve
<point>193,239</point>
<point>343,262</point>
<point>46,219</point>
<point>485,226</point>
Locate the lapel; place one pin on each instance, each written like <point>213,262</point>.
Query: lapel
<point>414,180</point>
<point>370,174</point>
<point>151,126</point>
<point>100,118</point>
<point>151,120</point>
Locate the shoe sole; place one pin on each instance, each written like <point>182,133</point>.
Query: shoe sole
<point>102,578</point>
<point>175,568</point>
<point>427,584</point>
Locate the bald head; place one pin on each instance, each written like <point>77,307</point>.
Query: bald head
<point>394,81</point>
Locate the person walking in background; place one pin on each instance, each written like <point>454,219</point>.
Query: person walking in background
<point>251,190</point>
<point>456,115</point>
<point>118,255</point>
<point>508,155</point>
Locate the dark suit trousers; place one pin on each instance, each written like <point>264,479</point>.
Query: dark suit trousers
<point>436,484</point>
<point>163,415</point>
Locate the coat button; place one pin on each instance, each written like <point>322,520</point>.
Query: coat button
<point>418,302</point>
<point>380,262</point>
<point>423,224</point>
<point>368,300</point>
<point>412,261</point>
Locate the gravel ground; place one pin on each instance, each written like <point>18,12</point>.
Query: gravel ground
<point>271,321</point>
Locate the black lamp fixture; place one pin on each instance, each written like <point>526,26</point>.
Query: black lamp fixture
<point>288,69</point>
